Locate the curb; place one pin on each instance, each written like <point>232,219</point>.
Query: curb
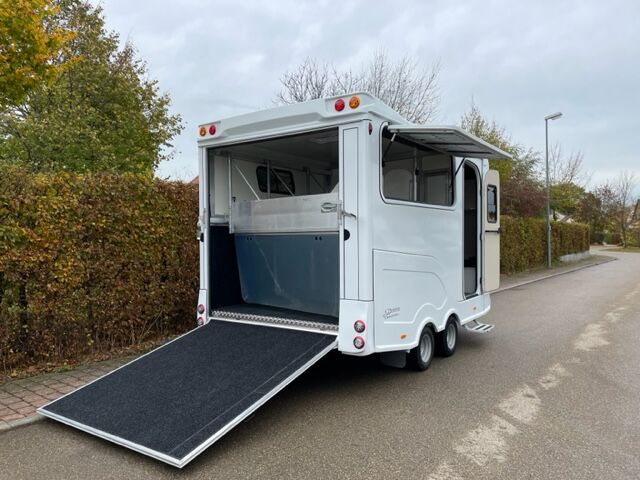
<point>556,274</point>
<point>21,422</point>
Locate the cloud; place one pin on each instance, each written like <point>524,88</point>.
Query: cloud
<point>518,60</point>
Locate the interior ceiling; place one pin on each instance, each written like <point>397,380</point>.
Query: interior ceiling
<point>317,148</point>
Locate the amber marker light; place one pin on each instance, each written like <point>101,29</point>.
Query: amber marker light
<point>354,102</point>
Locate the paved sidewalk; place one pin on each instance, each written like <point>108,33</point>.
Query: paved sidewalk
<point>518,279</point>
<point>19,399</point>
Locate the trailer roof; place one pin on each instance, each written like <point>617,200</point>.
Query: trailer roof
<point>332,111</point>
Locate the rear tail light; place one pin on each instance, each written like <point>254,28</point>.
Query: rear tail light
<point>339,105</point>
<point>201,308</point>
<point>200,321</point>
<point>359,326</point>
<point>358,342</point>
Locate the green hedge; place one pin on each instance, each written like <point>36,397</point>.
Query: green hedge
<point>523,242</point>
<point>91,263</point>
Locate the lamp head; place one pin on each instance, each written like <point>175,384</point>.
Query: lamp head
<point>553,116</point>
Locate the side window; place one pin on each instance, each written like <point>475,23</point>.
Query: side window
<point>281,181</point>
<point>436,187</point>
<point>492,204</point>
<point>414,173</point>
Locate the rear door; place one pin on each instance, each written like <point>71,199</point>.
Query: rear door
<point>491,223</point>
<point>175,401</point>
<point>349,200</point>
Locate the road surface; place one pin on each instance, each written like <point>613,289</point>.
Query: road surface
<point>552,393</point>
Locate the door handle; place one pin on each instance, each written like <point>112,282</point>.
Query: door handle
<point>328,207</point>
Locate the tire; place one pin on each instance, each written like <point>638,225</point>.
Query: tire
<point>419,358</point>
<point>447,339</point>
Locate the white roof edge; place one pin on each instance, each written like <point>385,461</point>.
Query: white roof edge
<point>315,113</point>
<point>496,152</point>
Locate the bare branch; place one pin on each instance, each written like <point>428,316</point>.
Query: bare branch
<point>567,169</point>
<point>409,90</point>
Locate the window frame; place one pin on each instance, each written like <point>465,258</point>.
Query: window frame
<point>495,204</point>
<point>412,203</point>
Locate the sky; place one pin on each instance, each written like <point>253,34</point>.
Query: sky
<point>518,61</point>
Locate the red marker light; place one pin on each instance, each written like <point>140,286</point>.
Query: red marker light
<point>201,308</point>
<point>358,342</point>
<point>212,130</point>
<point>339,105</point>
<point>200,321</point>
<point>359,326</point>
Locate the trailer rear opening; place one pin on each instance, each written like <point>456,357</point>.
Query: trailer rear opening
<point>278,256</point>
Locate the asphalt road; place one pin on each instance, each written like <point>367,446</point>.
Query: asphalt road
<point>552,393</point>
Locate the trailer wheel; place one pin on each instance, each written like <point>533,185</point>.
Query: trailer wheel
<point>447,339</point>
<point>419,358</point>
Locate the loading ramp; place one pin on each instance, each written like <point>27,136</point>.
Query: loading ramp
<point>178,399</point>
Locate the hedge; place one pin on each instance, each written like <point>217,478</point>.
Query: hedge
<point>96,262</point>
<point>91,263</point>
<point>523,242</point>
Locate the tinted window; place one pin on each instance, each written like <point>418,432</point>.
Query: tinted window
<point>492,204</point>
<point>281,181</point>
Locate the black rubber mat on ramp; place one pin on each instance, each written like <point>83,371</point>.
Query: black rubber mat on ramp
<point>178,399</point>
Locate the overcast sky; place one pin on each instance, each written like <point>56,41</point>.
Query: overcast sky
<point>518,62</point>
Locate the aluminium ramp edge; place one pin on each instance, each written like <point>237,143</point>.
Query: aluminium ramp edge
<point>177,400</point>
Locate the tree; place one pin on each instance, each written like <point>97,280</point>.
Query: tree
<point>403,85</point>
<point>568,181</point>
<point>101,114</point>
<point>28,49</point>
<point>567,169</point>
<point>522,194</point>
<point>624,202</point>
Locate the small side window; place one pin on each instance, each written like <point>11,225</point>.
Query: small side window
<point>492,204</point>
<point>281,181</point>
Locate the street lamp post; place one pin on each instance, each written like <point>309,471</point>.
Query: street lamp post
<point>553,116</point>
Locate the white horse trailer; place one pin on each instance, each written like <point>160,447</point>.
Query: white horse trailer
<point>327,224</point>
